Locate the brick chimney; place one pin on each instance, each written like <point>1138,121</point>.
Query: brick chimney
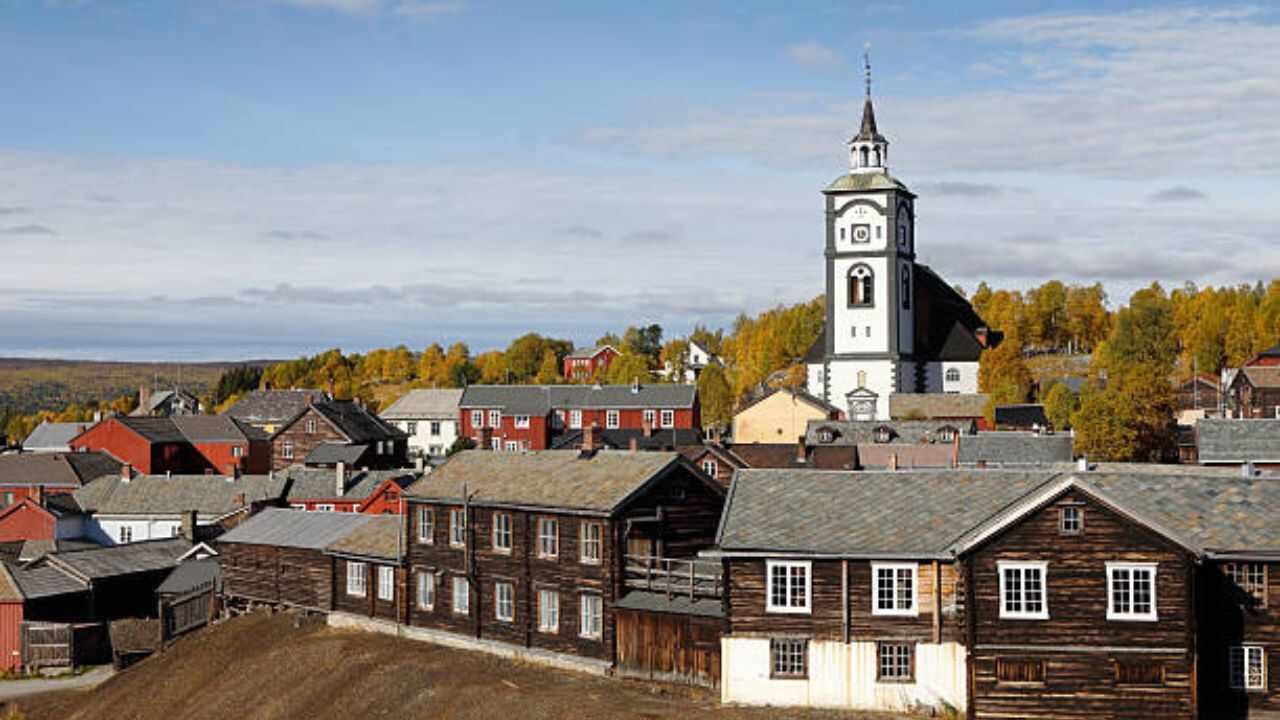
<point>340,479</point>
<point>144,397</point>
<point>126,472</point>
<point>188,529</point>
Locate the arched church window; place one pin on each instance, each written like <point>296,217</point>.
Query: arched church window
<point>953,375</point>
<point>875,157</point>
<point>865,155</point>
<point>906,288</point>
<point>861,286</point>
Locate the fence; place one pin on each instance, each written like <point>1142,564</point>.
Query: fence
<point>184,613</point>
<point>49,644</point>
<point>692,579</point>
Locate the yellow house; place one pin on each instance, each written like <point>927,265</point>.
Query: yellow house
<point>780,416</point>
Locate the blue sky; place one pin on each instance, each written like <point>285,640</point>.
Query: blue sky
<point>247,178</point>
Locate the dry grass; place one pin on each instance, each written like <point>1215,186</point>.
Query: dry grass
<point>270,667</point>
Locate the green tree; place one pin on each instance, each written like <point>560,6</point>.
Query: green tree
<point>1144,331</point>
<point>549,371</point>
<point>628,368</point>
<point>643,340</point>
<point>1059,405</point>
<point>715,396</point>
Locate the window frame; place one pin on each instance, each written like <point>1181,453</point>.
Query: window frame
<point>1241,662</point>
<point>499,587</point>
<point>554,537</point>
<point>952,375</point>
<point>575,419</point>
<point>495,418</point>
<point>521,422</point>
<point>427,522</point>
<point>411,427</point>
<point>1257,592</point>
<point>1130,616</point>
<point>457,527</point>
<point>650,416</point>
<point>1022,566</point>
<point>796,648</point>
<point>1041,670</point>
<point>357,578</point>
<point>612,419</point>
<point>125,534</point>
<point>477,419</point>
<point>427,588</point>
<point>286,450</point>
<point>386,589</point>
<point>1063,511</point>
<point>881,646</point>
<point>543,606</point>
<point>433,428</point>
<point>895,611</point>
<point>584,527</point>
<point>464,608</point>
<point>590,625</point>
<point>789,609</point>
<point>711,468</point>
<point>500,519</point>
<point>667,418</point>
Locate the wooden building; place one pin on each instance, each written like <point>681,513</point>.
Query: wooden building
<point>530,549</point>
<point>1254,392</point>
<point>369,573</point>
<point>1241,443</point>
<point>379,444</point>
<point>178,444</point>
<point>345,489</point>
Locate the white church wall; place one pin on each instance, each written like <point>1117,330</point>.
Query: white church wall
<point>879,377</point>
<point>968,377</point>
<point>879,233</point>
<point>861,329</point>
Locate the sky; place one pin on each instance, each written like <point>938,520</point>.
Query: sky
<point>233,179</point>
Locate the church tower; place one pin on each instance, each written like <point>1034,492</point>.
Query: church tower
<point>870,267</point>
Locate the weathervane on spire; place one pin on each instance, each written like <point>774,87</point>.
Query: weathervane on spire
<point>866,59</point>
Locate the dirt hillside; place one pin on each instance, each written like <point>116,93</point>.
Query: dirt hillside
<point>274,667</point>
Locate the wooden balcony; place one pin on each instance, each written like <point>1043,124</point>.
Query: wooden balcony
<point>691,579</point>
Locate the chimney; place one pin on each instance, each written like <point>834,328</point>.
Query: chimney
<point>1082,464</point>
<point>126,472</point>
<point>635,445</point>
<point>589,438</point>
<point>635,386</point>
<point>235,470</point>
<point>168,474</point>
<point>39,498</point>
<point>802,451</point>
<point>188,529</point>
<point>340,479</point>
<point>1246,470</point>
<point>893,461</point>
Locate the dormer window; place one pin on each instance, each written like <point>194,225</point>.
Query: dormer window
<point>883,434</point>
<point>946,433</point>
<point>826,435</point>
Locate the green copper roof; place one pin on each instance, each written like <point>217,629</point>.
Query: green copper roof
<point>865,181</point>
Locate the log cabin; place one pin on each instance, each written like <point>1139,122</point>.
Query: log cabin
<point>532,549</point>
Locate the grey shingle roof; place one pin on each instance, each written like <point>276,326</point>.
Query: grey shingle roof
<point>677,605</point>
<point>64,470</point>
<point>272,406</point>
<point>54,436</point>
<point>211,428</point>
<point>154,429</point>
<point>541,399</point>
<point>333,453</point>
<point>322,483</point>
<point>1264,376</point>
<point>620,439</point>
<point>41,580</point>
<point>1021,415</point>
<point>1225,440</point>
<point>192,575</point>
<point>937,405</point>
<point>585,353</point>
<point>209,495</point>
<point>107,562</point>
<point>861,432</point>
<point>1007,448</point>
<point>378,538</point>
<point>356,422</point>
<point>36,549</point>
<point>428,404</point>
<point>549,479</point>
<point>294,528</point>
<point>902,514</point>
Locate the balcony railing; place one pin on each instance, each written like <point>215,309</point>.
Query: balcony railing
<point>692,579</point>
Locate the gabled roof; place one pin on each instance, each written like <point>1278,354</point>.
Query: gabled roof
<point>870,514</point>
<point>796,395</point>
<point>921,455</point>
<point>786,455</point>
<point>1007,448</point>
<point>946,324</point>
<point>9,588</point>
<point>693,452</point>
<point>334,453</point>
<point>59,470</point>
<point>587,353</point>
<point>356,422</point>
<point>54,436</point>
<point>1264,376</point>
<point>192,575</point>
<point>1228,440</point>
<point>553,479</point>
<point>117,560</point>
<point>322,483</point>
<point>211,496</point>
<point>381,538</point>
<point>215,429</point>
<point>152,429</point>
<point>863,432</point>
<point>430,404</point>
<point>42,580</point>
<point>269,407</point>
<point>817,352</point>
<point>1021,415</point>
<point>294,528</point>
<point>541,399</point>
<point>35,549</point>
<point>937,405</point>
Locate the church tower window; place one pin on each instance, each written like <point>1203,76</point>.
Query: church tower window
<point>906,288</point>
<point>862,285</point>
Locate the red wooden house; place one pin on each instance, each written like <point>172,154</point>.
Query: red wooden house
<point>588,363</point>
<point>34,475</point>
<point>188,444</point>
<point>342,489</point>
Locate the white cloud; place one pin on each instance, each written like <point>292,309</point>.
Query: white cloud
<point>815,55</point>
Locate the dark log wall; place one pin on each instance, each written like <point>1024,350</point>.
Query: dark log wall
<point>303,578</point>
<point>1079,645</point>
<point>1229,617</point>
<point>690,509</point>
<point>368,604</point>
<point>303,441</point>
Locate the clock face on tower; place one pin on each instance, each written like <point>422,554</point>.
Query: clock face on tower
<point>861,233</point>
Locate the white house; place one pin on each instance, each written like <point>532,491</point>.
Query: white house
<point>696,359</point>
<point>430,417</point>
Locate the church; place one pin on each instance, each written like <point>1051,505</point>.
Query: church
<point>893,325</point>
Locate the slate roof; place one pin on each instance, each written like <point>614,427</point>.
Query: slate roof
<point>920,455</point>
<point>42,580</point>
<point>860,182</point>
<point>54,436</point>
<point>269,407</point>
<point>1228,440</point>
<point>871,514</point>
<point>294,528</point>
<point>1265,376</point>
<point>937,405</point>
<point>676,604</point>
<point>117,560</point>
<point>379,538</point>
<point>541,399</point>
<point>322,483</point>
<point>429,404</point>
<point>215,428</point>
<point>1007,448</point>
<point>192,575</point>
<point>863,432</point>
<point>946,323</point>
<point>9,589</point>
<point>356,422</point>
<point>36,549</point>
<point>66,470</point>
<point>208,495</point>
<point>153,429</point>
<point>1273,351</point>
<point>786,455</point>
<point>334,453</point>
<point>817,352</point>
<point>620,439</point>
<point>548,479</point>
<point>1021,415</point>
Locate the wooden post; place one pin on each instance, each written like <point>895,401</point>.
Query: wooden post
<point>844,600</point>
<point>937,602</point>
<point>692,580</point>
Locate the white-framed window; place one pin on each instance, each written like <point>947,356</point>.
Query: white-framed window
<point>237,451</point>
<point>590,615</point>
<point>789,586</point>
<point>522,421</point>
<point>1249,577</point>
<point>548,538</point>
<point>611,419</point>
<point>357,578</point>
<point>411,427</point>
<point>386,582</point>
<point>711,468</point>
<point>457,527</point>
<point>650,417</point>
<point>548,611</point>
<point>311,426</point>
<point>426,591</point>
<point>504,601</point>
<point>668,418</point>
<point>324,507</point>
<point>894,662</point>
<point>435,449</point>
<point>1131,591</point>
<point>477,419</point>
<point>502,532</point>
<point>513,446</point>
<point>575,419</point>
<point>126,534</point>
<point>591,542</point>
<point>286,451</point>
<point>461,596</point>
<point>426,525</point>
<point>435,428</point>
<point>495,418</point>
<point>495,444</point>
<point>1247,667</point>
<point>1023,594</point>
<point>1070,520</point>
<point>893,589</point>
<point>788,657</point>
<point>953,375</point>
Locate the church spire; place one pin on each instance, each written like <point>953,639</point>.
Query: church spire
<point>868,150</point>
